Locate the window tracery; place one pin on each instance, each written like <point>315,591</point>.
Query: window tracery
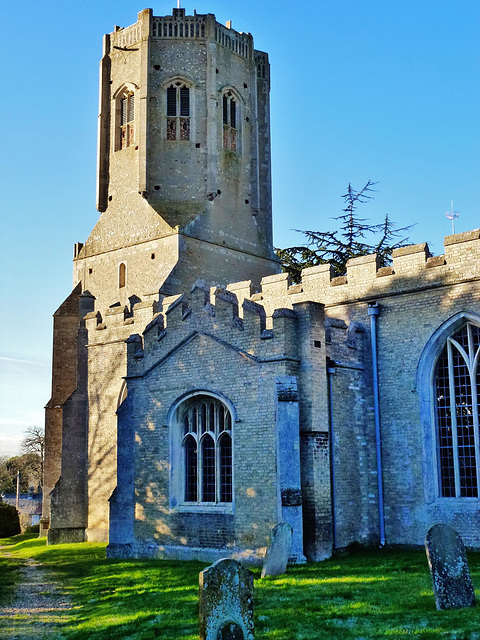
<point>207,452</point>
<point>457,390</point>
<point>178,111</point>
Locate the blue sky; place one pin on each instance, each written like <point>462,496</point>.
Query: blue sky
<point>361,89</point>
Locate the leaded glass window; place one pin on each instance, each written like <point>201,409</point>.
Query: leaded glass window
<point>207,452</point>
<point>457,380</point>
<point>178,112</point>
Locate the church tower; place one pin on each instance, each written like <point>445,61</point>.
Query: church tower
<point>184,169</point>
<point>184,192</point>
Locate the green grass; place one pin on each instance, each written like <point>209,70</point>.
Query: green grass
<point>368,594</point>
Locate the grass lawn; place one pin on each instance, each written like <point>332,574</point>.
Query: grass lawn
<point>367,594</point>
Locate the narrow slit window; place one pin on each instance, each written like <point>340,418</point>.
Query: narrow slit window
<point>230,119</point>
<point>122,275</point>
<point>127,120</point>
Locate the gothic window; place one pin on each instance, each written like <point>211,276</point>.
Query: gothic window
<point>207,452</point>
<point>127,119</point>
<point>230,120</point>
<point>457,396</point>
<point>178,111</point>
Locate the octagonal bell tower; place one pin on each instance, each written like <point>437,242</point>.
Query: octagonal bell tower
<point>184,168</point>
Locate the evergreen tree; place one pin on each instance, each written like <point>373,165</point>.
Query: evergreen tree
<point>355,237</point>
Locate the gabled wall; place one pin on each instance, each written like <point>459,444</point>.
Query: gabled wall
<point>205,348</point>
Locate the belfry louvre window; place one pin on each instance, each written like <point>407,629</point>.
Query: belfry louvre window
<point>457,390</point>
<point>127,119</point>
<point>207,452</point>
<point>229,114</point>
<point>178,112</point>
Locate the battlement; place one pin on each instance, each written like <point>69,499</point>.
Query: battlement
<point>178,25</point>
<point>250,320</point>
<point>412,268</point>
<point>181,26</point>
<point>212,315</point>
<point>115,324</point>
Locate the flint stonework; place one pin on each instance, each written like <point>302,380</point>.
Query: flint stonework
<point>452,584</point>
<point>226,602</point>
<point>185,201</point>
<point>278,552</point>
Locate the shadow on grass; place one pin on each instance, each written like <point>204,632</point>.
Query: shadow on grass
<point>13,540</point>
<point>367,594</point>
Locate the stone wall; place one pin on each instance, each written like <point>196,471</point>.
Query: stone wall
<point>415,296</point>
<point>205,348</point>
<point>174,211</point>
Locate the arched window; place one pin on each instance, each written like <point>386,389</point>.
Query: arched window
<point>122,275</point>
<point>230,119</point>
<point>206,425</point>
<point>178,111</point>
<point>457,395</point>
<point>127,119</point>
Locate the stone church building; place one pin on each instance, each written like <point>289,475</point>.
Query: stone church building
<point>198,397</point>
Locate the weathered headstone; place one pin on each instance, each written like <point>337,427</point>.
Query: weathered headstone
<point>452,584</point>
<point>276,558</point>
<point>226,602</point>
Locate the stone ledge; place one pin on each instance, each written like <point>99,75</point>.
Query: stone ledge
<point>466,236</point>
<point>411,248</point>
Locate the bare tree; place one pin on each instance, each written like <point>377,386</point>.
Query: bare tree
<point>34,443</point>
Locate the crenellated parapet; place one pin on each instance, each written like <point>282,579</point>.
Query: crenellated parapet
<point>412,268</point>
<point>215,313</point>
<point>262,324</point>
<point>116,324</point>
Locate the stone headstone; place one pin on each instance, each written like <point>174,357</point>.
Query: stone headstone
<point>452,584</point>
<point>278,552</point>
<point>226,602</point>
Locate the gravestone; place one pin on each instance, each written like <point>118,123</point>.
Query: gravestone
<point>276,558</point>
<point>448,564</point>
<point>226,602</point>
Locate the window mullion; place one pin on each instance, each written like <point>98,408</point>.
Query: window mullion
<point>475,428</point>
<point>217,472</point>
<point>472,367</point>
<point>471,350</point>
<point>199,471</point>
<point>215,441</point>
<point>453,413</point>
<point>178,112</point>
